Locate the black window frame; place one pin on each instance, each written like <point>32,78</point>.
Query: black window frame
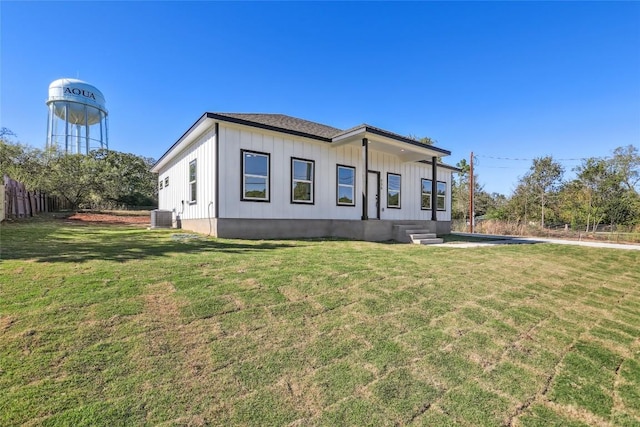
<point>399,206</point>
<point>243,198</point>
<point>353,198</point>
<point>313,182</point>
<point>444,196</point>
<point>422,193</point>
<point>193,183</point>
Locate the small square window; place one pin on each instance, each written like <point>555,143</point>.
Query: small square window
<point>166,182</point>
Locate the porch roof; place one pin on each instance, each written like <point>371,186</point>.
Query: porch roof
<point>407,149</point>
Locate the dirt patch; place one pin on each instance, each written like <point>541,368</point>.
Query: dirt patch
<point>101,218</point>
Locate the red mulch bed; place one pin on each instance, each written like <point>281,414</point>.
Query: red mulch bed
<point>84,217</point>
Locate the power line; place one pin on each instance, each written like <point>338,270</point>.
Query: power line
<point>528,160</point>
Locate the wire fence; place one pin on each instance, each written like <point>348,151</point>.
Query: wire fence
<point>607,233</point>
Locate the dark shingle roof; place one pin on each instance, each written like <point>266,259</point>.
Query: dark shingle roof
<point>301,127</point>
<point>285,122</point>
<point>293,126</point>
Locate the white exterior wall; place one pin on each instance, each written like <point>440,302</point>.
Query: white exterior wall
<point>203,149</point>
<point>410,187</point>
<point>281,148</point>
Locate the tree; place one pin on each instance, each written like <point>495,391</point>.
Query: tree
<point>20,162</point>
<point>484,202</point>
<point>72,177</point>
<point>604,191</point>
<point>626,162</point>
<point>6,134</point>
<point>460,192</point>
<point>425,139</point>
<point>544,177</point>
<point>102,178</point>
<point>124,179</point>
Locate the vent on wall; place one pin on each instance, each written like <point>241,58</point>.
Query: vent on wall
<point>161,219</point>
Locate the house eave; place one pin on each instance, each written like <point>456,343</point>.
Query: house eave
<point>442,166</point>
<point>202,124</point>
<point>407,149</point>
<point>207,120</point>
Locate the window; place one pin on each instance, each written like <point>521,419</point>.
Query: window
<point>255,176</point>
<point>160,185</point>
<point>442,196</point>
<point>426,194</point>
<point>346,191</point>
<point>166,182</point>
<point>192,181</point>
<point>393,190</point>
<point>302,174</point>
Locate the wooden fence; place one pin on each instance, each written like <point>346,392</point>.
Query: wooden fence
<point>17,202</point>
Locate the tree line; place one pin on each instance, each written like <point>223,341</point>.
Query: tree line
<point>102,179</point>
<point>604,191</point>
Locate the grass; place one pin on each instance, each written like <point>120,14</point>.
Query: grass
<point>114,325</point>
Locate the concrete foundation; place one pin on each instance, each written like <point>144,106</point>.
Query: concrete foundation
<point>369,230</point>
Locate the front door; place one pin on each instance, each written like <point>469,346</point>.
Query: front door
<point>373,195</point>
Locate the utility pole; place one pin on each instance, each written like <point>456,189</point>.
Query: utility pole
<point>471,219</point>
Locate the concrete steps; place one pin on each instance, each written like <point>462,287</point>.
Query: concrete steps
<point>412,233</point>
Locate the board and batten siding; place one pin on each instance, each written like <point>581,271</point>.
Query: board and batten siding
<point>411,174</point>
<point>176,197</point>
<point>282,148</point>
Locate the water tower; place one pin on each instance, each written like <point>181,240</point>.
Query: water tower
<point>77,117</point>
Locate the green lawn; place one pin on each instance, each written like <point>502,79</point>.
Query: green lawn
<point>123,326</point>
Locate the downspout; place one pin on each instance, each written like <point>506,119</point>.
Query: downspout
<point>434,189</point>
<point>365,190</point>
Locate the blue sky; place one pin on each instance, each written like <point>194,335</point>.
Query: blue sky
<point>515,80</point>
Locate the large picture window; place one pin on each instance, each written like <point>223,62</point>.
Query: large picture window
<point>441,201</point>
<point>393,190</point>
<point>255,176</point>
<point>346,185</point>
<point>302,177</point>
<point>193,173</point>
<point>425,203</point>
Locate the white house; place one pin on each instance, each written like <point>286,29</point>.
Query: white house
<point>275,176</point>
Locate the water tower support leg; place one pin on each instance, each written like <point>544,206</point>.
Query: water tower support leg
<point>66,127</point>
<point>49,128</point>
<point>86,128</point>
